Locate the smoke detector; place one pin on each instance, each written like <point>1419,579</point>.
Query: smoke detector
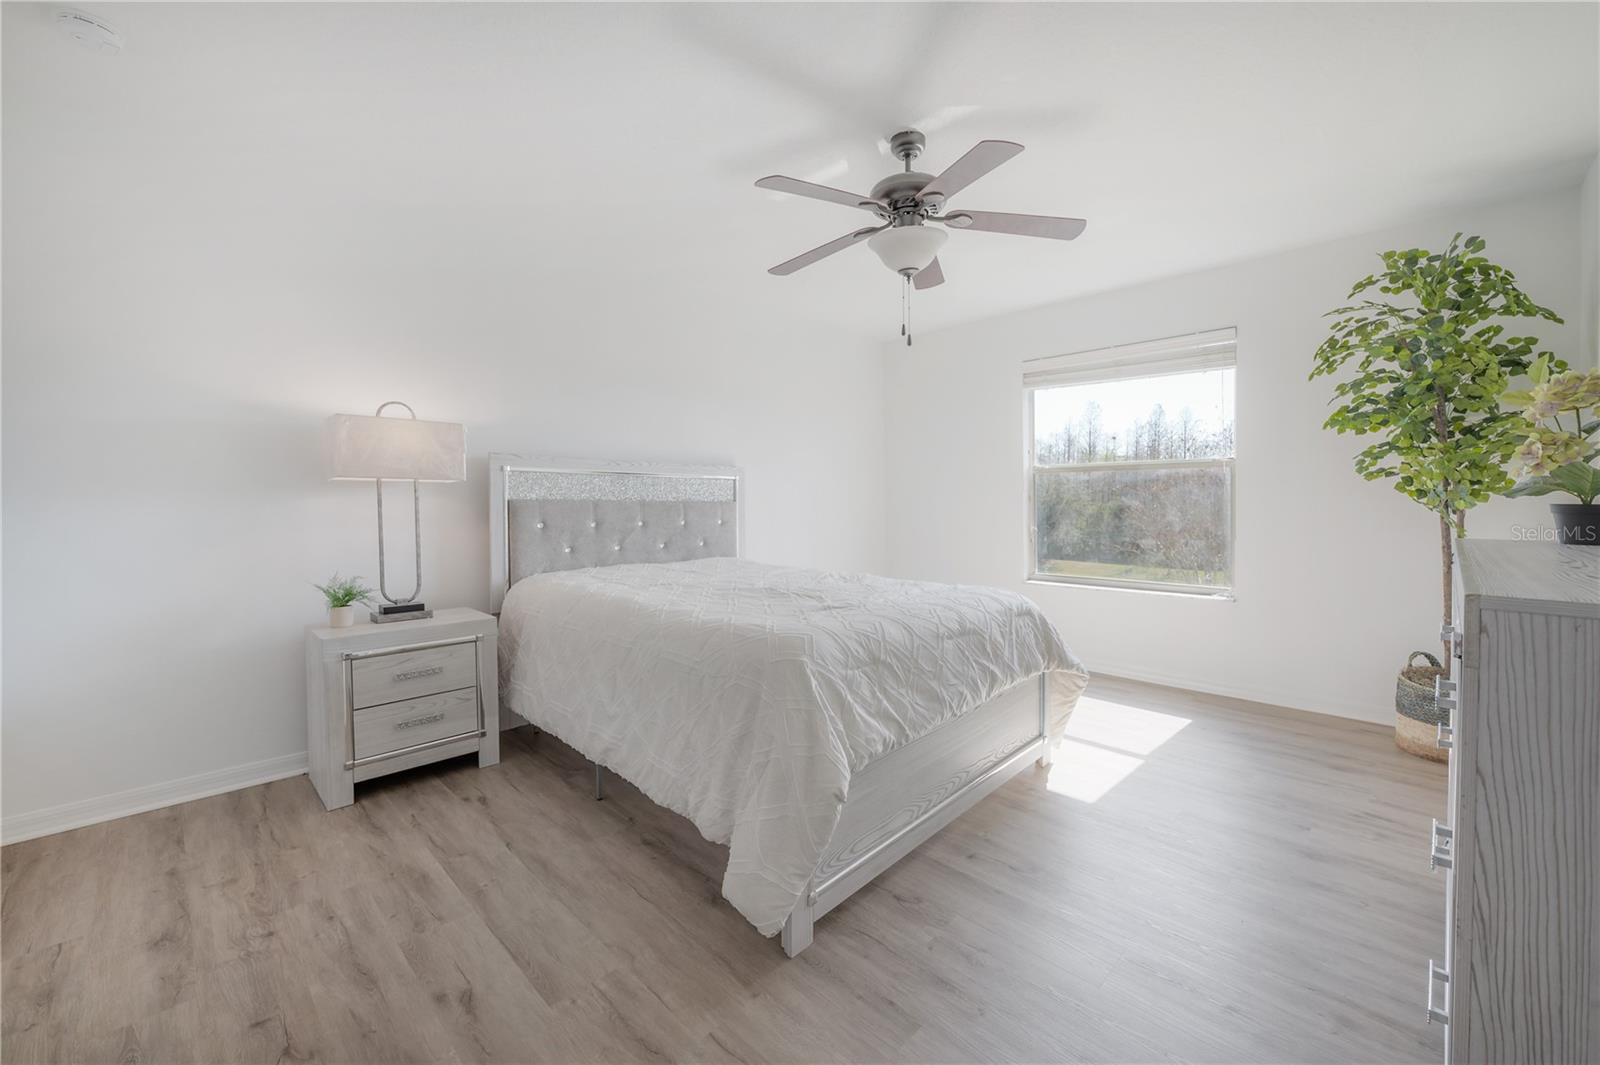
<point>95,34</point>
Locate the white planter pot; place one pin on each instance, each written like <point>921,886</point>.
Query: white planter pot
<point>341,617</point>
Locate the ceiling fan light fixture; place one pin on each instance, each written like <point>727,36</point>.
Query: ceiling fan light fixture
<point>907,249</point>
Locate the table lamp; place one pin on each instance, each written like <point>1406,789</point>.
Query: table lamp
<point>375,448</point>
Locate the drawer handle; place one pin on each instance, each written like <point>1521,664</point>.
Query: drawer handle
<point>1441,851</point>
<point>429,719</point>
<point>1436,976</point>
<point>417,673</point>
<point>1447,736</point>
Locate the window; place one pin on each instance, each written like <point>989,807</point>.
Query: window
<point>1131,465</point>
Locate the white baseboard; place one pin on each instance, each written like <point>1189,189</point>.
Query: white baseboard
<point>53,819</point>
<point>1377,715</point>
<point>70,815</point>
<point>14,829</point>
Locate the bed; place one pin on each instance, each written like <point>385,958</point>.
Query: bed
<point>820,725</point>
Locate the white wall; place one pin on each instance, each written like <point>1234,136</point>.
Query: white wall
<point>1589,261</point>
<point>169,359</point>
<point>1336,578</point>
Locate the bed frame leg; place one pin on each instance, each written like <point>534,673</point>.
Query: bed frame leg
<point>797,929</point>
<point>599,782</point>
<point>1047,752</point>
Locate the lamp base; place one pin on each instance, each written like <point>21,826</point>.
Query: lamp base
<point>400,612</point>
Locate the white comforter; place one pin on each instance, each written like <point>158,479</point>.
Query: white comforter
<point>743,696</point>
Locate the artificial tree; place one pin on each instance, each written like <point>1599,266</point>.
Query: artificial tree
<point>1428,377</point>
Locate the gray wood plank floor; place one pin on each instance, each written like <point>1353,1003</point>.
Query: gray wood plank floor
<point>1255,888</point>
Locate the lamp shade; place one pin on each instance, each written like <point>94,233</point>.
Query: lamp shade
<point>363,447</point>
<point>907,249</point>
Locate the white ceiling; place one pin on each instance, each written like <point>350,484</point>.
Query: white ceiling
<point>618,144</point>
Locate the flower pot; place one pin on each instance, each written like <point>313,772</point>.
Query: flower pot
<point>341,617</point>
<point>1416,712</point>
<point>1577,523</point>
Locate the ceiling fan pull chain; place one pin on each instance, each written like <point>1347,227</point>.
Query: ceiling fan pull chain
<point>905,301</point>
<point>904,311</point>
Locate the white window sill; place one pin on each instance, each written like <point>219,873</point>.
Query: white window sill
<point>1222,595</point>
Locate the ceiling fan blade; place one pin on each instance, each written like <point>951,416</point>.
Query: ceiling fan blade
<point>929,276</point>
<point>1023,225</point>
<point>779,183</point>
<point>979,160</point>
<point>786,268</point>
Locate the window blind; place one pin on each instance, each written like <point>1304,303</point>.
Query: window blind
<point>1211,349</point>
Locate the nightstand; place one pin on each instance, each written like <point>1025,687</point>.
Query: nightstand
<point>382,698</point>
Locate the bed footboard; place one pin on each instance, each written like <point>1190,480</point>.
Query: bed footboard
<point>905,797</point>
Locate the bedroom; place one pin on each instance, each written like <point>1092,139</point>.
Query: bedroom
<point>539,228</point>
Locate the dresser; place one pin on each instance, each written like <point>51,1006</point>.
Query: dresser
<point>382,698</point>
<point>1519,847</point>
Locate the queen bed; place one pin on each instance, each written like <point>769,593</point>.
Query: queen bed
<point>821,725</point>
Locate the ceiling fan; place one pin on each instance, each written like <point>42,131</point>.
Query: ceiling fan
<point>906,202</point>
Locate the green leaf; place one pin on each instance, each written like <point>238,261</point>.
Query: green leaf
<point>1535,486</point>
<point>340,591</point>
<point>1578,478</point>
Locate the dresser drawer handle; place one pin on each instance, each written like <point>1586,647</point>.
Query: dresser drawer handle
<point>1447,736</point>
<point>1441,849</point>
<point>1436,976</point>
<point>416,674</point>
<point>425,719</point>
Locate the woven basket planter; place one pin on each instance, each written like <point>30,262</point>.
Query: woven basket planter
<point>1417,716</point>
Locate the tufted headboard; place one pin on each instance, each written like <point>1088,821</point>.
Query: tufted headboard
<point>553,514</point>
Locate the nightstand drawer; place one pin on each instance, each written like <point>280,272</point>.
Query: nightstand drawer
<point>409,674</point>
<point>394,726</point>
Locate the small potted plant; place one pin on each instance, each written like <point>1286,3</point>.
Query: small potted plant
<point>1558,452</point>
<point>343,594</point>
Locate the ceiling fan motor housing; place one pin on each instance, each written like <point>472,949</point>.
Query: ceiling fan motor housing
<point>902,192</point>
<point>899,190</point>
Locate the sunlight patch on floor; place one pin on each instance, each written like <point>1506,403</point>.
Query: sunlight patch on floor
<point>1085,772</point>
<point>1122,727</point>
<point>1105,742</point>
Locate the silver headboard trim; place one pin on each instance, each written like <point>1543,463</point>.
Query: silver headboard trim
<point>515,478</point>
<point>527,483</point>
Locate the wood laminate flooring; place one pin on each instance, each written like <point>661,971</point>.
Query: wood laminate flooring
<point>1251,885</point>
